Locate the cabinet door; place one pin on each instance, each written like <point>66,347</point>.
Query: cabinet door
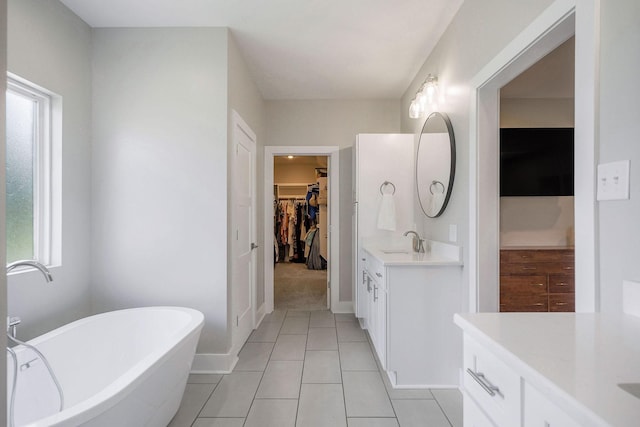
<point>380,302</point>
<point>541,412</point>
<point>472,415</point>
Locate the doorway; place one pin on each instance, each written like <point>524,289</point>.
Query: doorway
<point>301,209</point>
<point>333,209</point>
<point>554,26</point>
<point>537,186</point>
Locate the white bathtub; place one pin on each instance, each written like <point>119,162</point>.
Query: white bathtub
<point>122,368</point>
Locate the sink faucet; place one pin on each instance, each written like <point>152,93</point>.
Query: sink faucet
<point>13,322</point>
<point>418,242</point>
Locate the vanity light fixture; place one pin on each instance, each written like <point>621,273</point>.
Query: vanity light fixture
<point>426,95</point>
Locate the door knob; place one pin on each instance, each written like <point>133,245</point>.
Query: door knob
<point>253,246</point>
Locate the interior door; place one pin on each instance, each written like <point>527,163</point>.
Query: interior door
<point>244,244</point>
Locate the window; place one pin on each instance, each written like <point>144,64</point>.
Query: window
<point>28,172</point>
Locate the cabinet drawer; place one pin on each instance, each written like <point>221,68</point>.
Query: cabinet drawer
<point>539,411</point>
<point>562,302</point>
<point>524,304</point>
<point>537,268</point>
<point>535,256</point>
<point>491,384</point>
<point>523,285</point>
<point>560,284</point>
<point>472,415</point>
<point>376,270</point>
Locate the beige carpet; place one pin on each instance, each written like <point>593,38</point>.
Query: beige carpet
<point>296,287</point>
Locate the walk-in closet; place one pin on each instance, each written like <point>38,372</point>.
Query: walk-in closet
<point>300,249</point>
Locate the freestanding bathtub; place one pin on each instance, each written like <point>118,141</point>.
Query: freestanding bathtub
<point>121,368</point>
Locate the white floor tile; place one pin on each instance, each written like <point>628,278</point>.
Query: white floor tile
<point>419,413</point>
<point>321,405</point>
<point>322,319</point>
<point>365,395</point>
<point>322,367</point>
<point>194,398</point>
<point>357,356</point>
<point>281,380</point>
<point>204,378</point>
<point>450,400</point>
<point>350,331</point>
<point>233,396</point>
<point>266,332</point>
<point>322,339</point>
<point>295,325</point>
<point>254,356</point>
<point>345,317</point>
<point>298,313</point>
<point>372,422</point>
<point>219,422</point>
<point>276,316</point>
<point>272,413</point>
<point>289,347</point>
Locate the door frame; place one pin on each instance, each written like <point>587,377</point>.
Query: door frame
<point>334,216</point>
<point>239,125</point>
<point>554,26</point>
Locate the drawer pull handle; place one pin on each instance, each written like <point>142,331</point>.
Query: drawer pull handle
<point>484,383</point>
<point>529,268</point>
<point>524,256</point>
<point>567,268</point>
<point>562,303</point>
<point>375,293</point>
<point>562,284</point>
<point>537,284</point>
<point>378,274</point>
<point>538,304</point>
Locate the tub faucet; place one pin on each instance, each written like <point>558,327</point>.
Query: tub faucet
<point>13,322</point>
<point>31,263</point>
<point>418,242</point>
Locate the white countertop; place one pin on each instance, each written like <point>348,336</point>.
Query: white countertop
<point>576,359</point>
<point>438,254</point>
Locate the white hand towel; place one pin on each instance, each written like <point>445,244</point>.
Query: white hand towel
<point>387,213</point>
<point>437,200</point>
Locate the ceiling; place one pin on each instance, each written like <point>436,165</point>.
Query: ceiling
<point>550,77</point>
<point>315,161</point>
<point>309,49</point>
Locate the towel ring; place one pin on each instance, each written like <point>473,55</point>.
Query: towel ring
<point>435,183</point>
<point>385,184</point>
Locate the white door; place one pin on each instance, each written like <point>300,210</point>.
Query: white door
<point>244,231</point>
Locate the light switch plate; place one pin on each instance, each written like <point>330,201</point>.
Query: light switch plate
<point>613,181</point>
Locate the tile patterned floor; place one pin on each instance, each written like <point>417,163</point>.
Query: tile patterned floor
<point>308,369</point>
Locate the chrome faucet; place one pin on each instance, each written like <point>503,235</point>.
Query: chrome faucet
<point>31,263</point>
<point>418,242</point>
<point>13,322</point>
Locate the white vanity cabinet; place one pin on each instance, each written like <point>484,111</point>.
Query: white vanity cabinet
<point>411,301</point>
<point>549,369</point>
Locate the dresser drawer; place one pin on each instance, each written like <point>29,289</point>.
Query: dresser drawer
<point>491,384</point>
<point>527,303</point>
<point>560,284</point>
<point>535,256</point>
<point>562,302</point>
<point>538,268</point>
<point>523,285</point>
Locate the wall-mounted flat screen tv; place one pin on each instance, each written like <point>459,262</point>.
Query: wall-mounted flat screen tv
<point>536,162</point>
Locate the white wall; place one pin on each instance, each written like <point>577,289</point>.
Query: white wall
<point>50,46</point>
<point>245,98</point>
<point>536,221</point>
<point>160,117</point>
<point>333,122</point>
<point>478,32</point>
<point>619,140</point>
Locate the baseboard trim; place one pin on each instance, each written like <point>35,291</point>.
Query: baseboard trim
<point>214,363</point>
<point>260,313</point>
<point>343,307</point>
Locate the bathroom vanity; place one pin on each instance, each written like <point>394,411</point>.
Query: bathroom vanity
<point>550,369</point>
<point>410,301</point>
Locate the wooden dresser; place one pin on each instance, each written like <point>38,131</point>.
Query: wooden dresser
<point>537,280</point>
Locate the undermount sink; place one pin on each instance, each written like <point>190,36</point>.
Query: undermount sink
<point>394,251</point>
<point>631,388</point>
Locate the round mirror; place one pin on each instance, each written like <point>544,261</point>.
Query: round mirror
<point>435,164</point>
